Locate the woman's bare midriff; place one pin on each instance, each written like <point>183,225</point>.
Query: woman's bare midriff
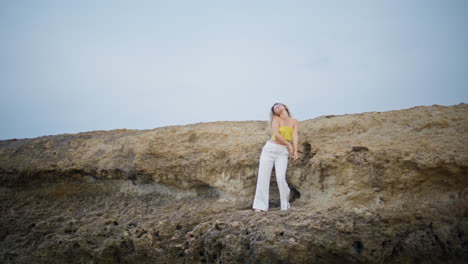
<point>277,142</point>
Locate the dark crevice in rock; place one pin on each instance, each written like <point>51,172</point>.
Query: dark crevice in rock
<point>307,152</point>
<point>358,247</point>
<point>359,148</point>
<point>294,194</point>
<point>207,191</point>
<point>15,178</point>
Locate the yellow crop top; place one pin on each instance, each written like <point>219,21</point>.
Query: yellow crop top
<point>286,132</point>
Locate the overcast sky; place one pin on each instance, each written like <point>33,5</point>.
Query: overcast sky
<point>74,66</point>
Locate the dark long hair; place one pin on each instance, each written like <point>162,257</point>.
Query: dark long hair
<point>272,113</point>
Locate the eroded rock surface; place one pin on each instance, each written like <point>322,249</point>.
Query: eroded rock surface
<point>376,187</point>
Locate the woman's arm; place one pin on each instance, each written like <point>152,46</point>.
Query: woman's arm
<point>295,138</point>
<point>296,134</point>
<point>275,127</point>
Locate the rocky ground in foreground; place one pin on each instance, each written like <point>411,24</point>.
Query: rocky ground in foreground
<point>70,225</point>
<point>376,187</point>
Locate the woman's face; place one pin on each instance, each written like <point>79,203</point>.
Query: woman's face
<point>278,108</point>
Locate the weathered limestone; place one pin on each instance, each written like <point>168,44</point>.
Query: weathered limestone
<point>370,187</point>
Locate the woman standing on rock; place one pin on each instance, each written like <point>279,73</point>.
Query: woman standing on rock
<point>275,152</point>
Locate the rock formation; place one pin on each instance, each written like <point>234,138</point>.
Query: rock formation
<point>375,187</point>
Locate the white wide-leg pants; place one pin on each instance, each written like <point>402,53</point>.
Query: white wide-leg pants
<point>272,154</point>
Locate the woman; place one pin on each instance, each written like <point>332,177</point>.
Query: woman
<point>275,152</point>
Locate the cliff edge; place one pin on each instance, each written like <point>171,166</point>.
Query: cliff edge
<point>375,187</point>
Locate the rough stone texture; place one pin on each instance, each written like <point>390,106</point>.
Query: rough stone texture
<point>376,187</point>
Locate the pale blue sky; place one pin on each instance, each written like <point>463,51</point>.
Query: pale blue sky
<point>74,66</point>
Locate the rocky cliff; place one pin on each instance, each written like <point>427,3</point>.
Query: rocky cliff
<point>375,187</point>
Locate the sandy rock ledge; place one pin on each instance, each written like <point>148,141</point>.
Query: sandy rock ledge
<point>376,187</point>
